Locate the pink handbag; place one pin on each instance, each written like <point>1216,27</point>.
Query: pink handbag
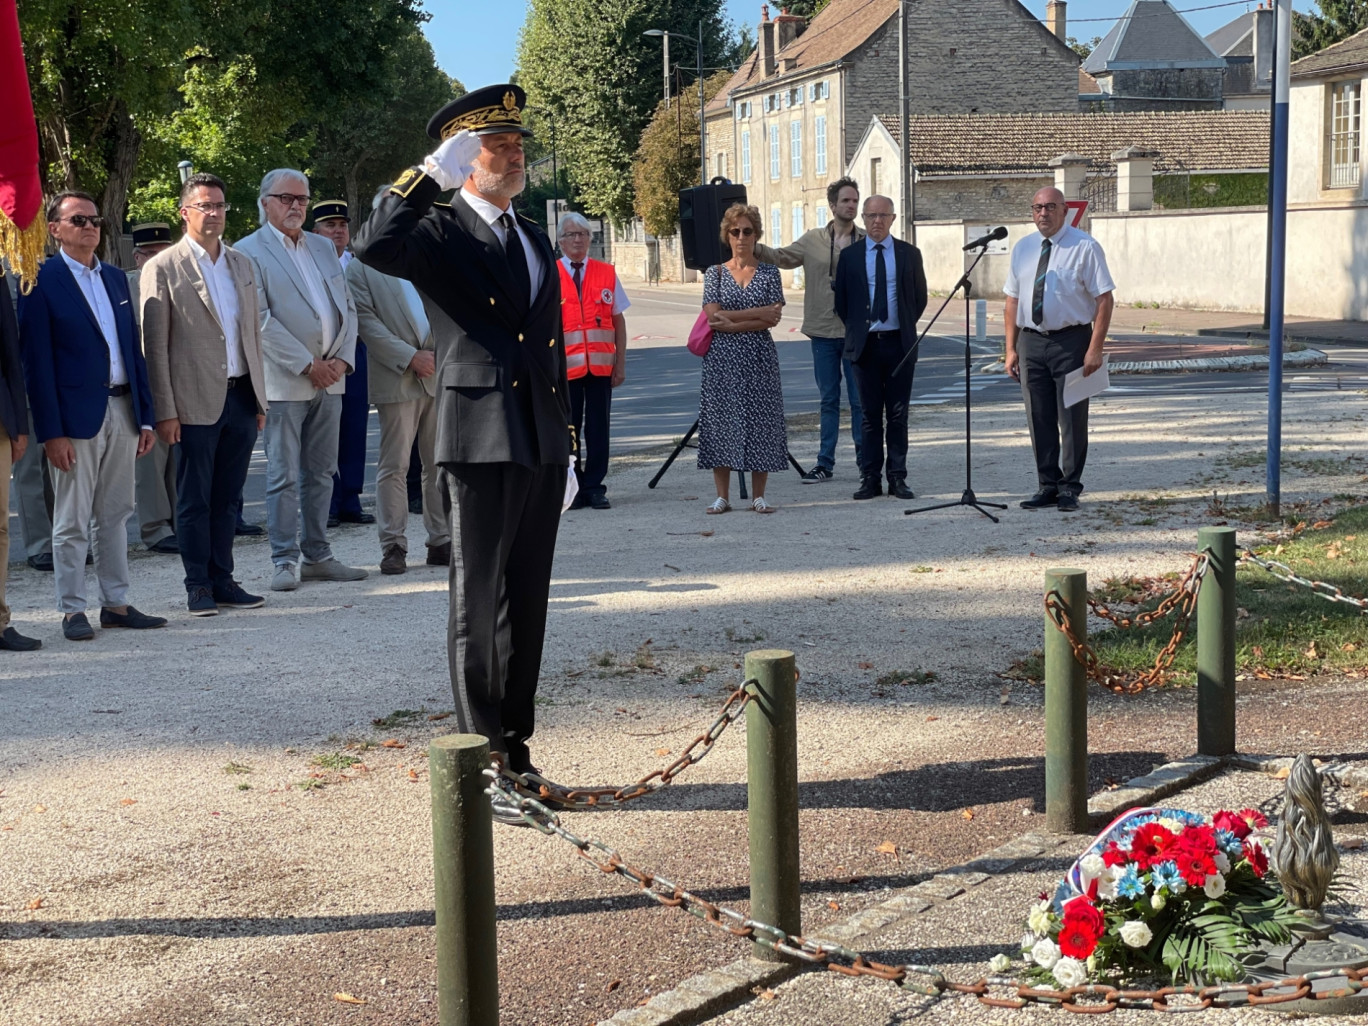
<point>700,335</point>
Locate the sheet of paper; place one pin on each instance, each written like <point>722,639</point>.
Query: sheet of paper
<point>1077,387</point>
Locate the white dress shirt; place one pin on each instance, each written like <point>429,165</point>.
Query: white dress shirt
<point>1075,276</point>
<point>891,273</point>
<point>313,282</point>
<point>346,258</point>
<point>620,300</point>
<point>416,311</point>
<point>490,214</point>
<point>218,279</point>
<point>97,296</point>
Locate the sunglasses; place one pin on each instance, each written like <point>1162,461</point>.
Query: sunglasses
<point>741,233</point>
<point>81,220</point>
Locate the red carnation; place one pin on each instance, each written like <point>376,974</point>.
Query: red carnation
<point>1114,856</point>
<point>1194,866</point>
<point>1082,926</point>
<point>1256,857</point>
<point>1234,822</point>
<point>1149,843</point>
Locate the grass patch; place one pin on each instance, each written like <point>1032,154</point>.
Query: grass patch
<point>903,678</point>
<point>311,784</point>
<point>694,676</point>
<point>244,787</point>
<point>237,768</point>
<point>605,659</point>
<point>1280,629</point>
<point>399,718</point>
<point>334,761</point>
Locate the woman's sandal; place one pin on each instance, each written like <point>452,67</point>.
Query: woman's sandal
<point>720,505</point>
<point>761,506</point>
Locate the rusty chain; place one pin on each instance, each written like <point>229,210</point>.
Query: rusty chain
<point>1184,600</point>
<point>1283,572</point>
<point>539,787</point>
<point>920,979</point>
<point>1166,605</point>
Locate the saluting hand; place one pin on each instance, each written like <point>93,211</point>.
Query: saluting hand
<point>451,163</point>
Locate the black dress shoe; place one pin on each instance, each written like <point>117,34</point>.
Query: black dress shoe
<point>333,521</point>
<point>870,488</point>
<point>899,490</point>
<point>42,561</point>
<point>580,501</point>
<point>246,530</point>
<point>415,505</point>
<point>1067,503</point>
<point>1040,500</point>
<point>600,502</point>
<point>132,619</point>
<point>167,545</point>
<point>12,641</point>
<point>77,628</point>
<point>360,517</point>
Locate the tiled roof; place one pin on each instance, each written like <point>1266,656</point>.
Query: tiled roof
<point>1150,32</point>
<point>1087,84</point>
<point>1346,55</point>
<point>1026,143</point>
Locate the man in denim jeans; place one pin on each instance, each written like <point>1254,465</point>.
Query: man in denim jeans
<point>816,252</point>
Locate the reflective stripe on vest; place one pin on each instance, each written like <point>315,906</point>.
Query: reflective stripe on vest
<point>590,339</point>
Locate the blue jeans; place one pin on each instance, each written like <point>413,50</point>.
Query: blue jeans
<point>827,365</point>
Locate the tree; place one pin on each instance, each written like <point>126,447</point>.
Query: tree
<point>1338,19</point>
<point>667,160</point>
<point>805,8</point>
<point>1084,50</point>
<point>586,61</point>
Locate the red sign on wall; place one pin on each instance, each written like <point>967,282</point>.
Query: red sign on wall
<point>1076,211</point>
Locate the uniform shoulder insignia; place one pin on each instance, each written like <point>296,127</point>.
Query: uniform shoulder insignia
<point>444,206</point>
<point>407,182</point>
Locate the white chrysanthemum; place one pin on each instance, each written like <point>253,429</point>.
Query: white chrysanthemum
<point>1214,886</point>
<point>1222,861</point>
<point>1092,867</point>
<point>999,963</point>
<point>1136,933</point>
<point>1045,953</point>
<point>1039,919</point>
<point>1070,972</point>
<point>1157,901</point>
<point>1106,883</point>
<point>1171,825</point>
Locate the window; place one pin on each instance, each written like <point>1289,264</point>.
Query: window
<point>819,145</point>
<point>1343,145</point>
<point>796,149</point>
<point>826,91</point>
<point>774,151</point>
<point>796,96</point>
<point>798,228</point>
<point>820,217</point>
<point>745,156</point>
<point>873,176</point>
<point>776,226</point>
<point>720,164</point>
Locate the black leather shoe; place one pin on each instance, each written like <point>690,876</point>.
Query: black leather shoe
<point>1067,503</point>
<point>416,506</point>
<point>246,530</point>
<point>600,502</point>
<point>167,545</point>
<point>870,488</point>
<point>1040,500</point>
<point>439,555</point>
<point>132,619</point>
<point>356,518</point>
<point>42,561</point>
<point>899,490</point>
<point>77,628</point>
<point>580,501</point>
<point>333,521</point>
<point>12,641</point>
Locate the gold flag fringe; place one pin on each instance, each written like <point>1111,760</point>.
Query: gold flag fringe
<point>22,249</point>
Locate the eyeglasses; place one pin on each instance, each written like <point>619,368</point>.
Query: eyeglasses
<point>289,200</point>
<point>81,220</point>
<point>575,235</point>
<point>741,233</point>
<point>210,208</point>
<point>877,216</point>
<point>1043,208</point>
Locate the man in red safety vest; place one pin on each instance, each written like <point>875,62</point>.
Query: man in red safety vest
<point>592,302</point>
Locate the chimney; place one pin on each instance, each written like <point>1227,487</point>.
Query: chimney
<point>1054,18</point>
<point>765,43</point>
<point>787,28</point>
<point>1263,48</point>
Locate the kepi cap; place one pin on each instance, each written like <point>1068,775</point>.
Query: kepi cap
<point>151,234</point>
<point>487,111</point>
<point>325,210</point>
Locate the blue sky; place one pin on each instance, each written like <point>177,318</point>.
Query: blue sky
<point>476,40</point>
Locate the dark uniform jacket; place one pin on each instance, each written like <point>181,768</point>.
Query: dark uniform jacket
<point>502,394</point>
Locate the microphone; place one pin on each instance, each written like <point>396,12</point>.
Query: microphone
<point>1000,232</point>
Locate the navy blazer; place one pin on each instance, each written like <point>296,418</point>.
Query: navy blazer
<point>66,358</point>
<point>12,414</point>
<point>852,294</point>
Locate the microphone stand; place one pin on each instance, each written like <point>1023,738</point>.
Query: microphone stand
<point>968,498</point>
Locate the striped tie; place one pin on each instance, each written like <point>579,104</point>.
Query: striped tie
<point>1038,295</point>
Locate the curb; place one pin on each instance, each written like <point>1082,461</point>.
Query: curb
<point>1290,332</point>
<point>1305,358</point>
<point>709,993</point>
<point>1340,773</point>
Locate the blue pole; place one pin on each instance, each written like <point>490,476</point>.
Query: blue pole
<point>1277,292</point>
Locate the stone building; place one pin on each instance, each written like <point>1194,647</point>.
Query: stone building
<point>1246,45</point>
<point>1152,59</point>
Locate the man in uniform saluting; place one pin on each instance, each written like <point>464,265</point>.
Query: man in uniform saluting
<point>492,294</point>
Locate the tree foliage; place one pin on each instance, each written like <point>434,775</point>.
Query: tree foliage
<point>587,62</point>
<point>667,159</point>
<point>1338,19</point>
<point>806,8</point>
<point>1083,49</point>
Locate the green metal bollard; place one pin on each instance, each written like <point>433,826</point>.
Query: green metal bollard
<point>1066,708</point>
<point>463,864</point>
<point>1216,644</point>
<point>772,792</point>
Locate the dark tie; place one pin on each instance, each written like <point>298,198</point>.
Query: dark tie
<point>579,278</point>
<point>517,258</point>
<point>880,312</point>
<point>1038,295</point>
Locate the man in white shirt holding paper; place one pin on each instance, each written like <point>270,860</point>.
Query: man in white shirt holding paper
<point>1058,308</point>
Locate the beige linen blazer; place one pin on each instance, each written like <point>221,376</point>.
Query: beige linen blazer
<point>386,326</point>
<point>183,340</point>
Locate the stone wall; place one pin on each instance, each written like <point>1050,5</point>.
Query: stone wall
<point>1165,89</point>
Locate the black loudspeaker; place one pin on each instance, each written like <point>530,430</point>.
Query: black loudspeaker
<point>700,222</point>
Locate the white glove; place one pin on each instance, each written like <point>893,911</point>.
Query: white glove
<point>452,162</point>
<point>571,488</point>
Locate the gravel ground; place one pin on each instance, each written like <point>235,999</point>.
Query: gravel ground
<point>141,882</point>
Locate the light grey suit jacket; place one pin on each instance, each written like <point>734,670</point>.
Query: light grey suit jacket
<point>183,339</point>
<point>291,331</point>
<point>386,326</point>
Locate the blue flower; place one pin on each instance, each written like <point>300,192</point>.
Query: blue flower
<point>1130,885</point>
<point>1166,875</point>
<point>1229,843</point>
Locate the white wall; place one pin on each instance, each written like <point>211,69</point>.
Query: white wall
<point>1308,111</point>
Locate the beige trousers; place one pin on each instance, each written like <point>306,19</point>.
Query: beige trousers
<point>400,423</point>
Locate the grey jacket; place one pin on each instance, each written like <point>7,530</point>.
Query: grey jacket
<point>816,253</point>
<point>386,327</point>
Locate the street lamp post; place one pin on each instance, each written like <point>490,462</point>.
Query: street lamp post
<point>702,123</point>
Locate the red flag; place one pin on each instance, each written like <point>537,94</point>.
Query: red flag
<point>22,232</point>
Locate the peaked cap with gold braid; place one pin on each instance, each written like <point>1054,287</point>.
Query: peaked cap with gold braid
<point>487,111</point>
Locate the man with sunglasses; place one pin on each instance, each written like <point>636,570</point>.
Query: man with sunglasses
<point>92,411</point>
<point>1059,328</point>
